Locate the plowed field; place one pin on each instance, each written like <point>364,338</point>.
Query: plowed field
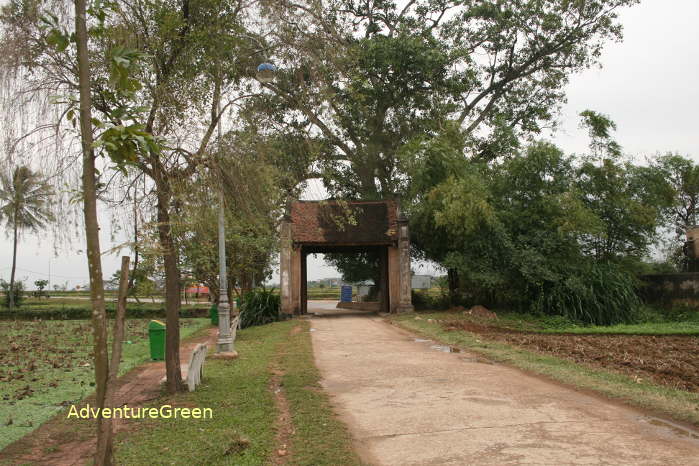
<point>667,360</point>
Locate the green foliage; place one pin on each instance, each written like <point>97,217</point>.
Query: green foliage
<point>598,294</point>
<point>682,175</point>
<point>543,232</point>
<point>355,267</point>
<point>425,301</point>
<point>25,199</point>
<point>17,290</point>
<point>600,129</point>
<point>40,285</point>
<point>259,307</point>
<point>384,79</point>
<point>123,136</point>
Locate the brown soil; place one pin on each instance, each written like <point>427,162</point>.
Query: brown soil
<point>63,442</point>
<point>477,311</point>
<point>667,360</point>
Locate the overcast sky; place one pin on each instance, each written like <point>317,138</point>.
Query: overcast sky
<point>648,85</point>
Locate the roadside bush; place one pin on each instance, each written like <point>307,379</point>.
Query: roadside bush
<point>598,294</point>
<point>424,301</point>
<point>18,291</point>
<point>259,307</point>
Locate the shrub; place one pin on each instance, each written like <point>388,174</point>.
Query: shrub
<point>18,292</point>
<point>597,294</point>
<point>259,307</point>
<point>424,301</point>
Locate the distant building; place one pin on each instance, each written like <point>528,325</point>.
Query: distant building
<point>421,282</point>
<point>330,282</point>
<point>197,291</point>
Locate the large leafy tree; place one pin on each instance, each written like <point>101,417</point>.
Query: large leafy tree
<point>376,80</point>
<point>370,76</point>
<point>682,176</point>
<point>25,204</point>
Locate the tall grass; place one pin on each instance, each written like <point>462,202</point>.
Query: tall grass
<point>598,294</point>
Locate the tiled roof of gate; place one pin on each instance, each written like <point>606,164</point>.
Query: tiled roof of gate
<point>344,222</point>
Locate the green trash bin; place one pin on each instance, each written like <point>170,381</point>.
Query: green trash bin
<point>156,335</point>
<point>213,314</point>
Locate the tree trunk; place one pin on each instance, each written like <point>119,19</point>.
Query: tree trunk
<point>245,283</point>
<point>14,266</point>
<point>103,455</point>
<point>172,287</point>
<point>117,343</point>
<point>135,247</point>
<point>453,277</point>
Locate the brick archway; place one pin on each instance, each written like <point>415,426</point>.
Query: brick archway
<point>346,226</point>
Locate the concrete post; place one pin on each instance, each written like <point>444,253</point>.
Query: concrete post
<point>405,304</point>
<point>295,276</point>
<point>692,250</point>
<point>285,267</point>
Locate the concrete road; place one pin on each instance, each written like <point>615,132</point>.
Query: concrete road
<point>317,306</point>
<point>327,308</point>
<point>408,402</point>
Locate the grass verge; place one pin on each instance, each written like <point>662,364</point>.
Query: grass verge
<point>558,324</point>
<point>678,404</point>
<point>242,429</point>
<point>319,438</point>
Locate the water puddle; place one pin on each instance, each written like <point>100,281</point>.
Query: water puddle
<point>445,349</point>
<point>440,348</point>
<point>675,428</point>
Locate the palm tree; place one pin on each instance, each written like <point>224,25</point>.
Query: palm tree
<point>24,205</point>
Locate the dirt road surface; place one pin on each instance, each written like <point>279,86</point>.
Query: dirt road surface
<point>408,402</point>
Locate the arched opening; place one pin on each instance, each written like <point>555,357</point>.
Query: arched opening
<point>346,227</point>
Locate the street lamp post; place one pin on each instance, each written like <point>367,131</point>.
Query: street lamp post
<point>225,339</point>
<point>225,344</point>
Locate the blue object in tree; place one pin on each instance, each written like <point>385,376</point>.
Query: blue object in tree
<point>265,72</point>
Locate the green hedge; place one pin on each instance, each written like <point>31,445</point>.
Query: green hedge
<point>79,313</point>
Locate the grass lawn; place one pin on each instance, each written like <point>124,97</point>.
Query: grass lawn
<point>679,404</point>
<point>45,365</point>
<point>243,429</point>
